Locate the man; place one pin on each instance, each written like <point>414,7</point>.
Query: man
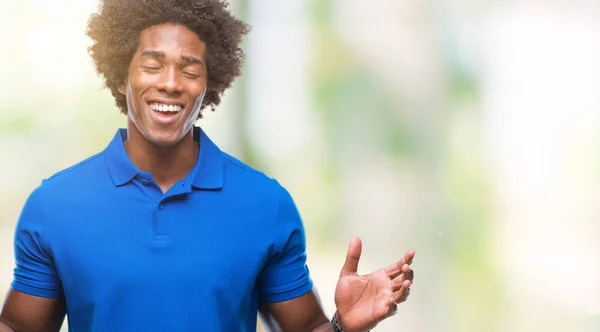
<point>162,231</point>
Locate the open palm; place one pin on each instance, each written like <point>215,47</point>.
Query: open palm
<point>362,301</point>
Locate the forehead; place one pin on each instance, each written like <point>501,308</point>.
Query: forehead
<point>171,38</point>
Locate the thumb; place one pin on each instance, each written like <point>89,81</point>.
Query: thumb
<point>352,257</point>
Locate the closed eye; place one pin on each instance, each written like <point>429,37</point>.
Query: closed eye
<point>149,68</point>
<point>191,75</point>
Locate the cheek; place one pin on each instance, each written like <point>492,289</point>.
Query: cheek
<point>139,84</point>
<point>140,80</point>
<point>133,97</point>
<point>201,90</point>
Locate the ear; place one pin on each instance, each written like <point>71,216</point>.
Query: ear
<point>121,88</point>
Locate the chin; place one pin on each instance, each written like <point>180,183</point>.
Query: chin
<point>163,139</point>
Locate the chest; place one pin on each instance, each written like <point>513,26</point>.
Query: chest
<point>176,246</point>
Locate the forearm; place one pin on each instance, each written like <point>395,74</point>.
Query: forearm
<point>332,326</point>
<point>324,328</point>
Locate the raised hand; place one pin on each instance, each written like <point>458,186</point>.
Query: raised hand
<point>362,301</point>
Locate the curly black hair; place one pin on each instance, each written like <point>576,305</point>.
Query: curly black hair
<point>115,31</point>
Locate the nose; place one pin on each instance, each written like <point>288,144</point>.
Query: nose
<point>169,81</point>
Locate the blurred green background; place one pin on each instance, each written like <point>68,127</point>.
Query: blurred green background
<point>467,130</point>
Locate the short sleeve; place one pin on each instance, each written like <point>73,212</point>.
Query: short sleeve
<point>35,273</point>
<point>286,275</point>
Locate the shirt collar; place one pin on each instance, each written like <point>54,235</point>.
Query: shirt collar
<point>120,167</point>
<point>206,174</point>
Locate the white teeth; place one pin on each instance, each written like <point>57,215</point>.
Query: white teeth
<point>165,108</point>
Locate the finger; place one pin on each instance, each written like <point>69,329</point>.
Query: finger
<point>405,271</point>
<point>352,257</point>
<point>397,283</point>
<point>395,269</point>
<point>393,309</point>
<point>402,294</point>
<point>409,275</point>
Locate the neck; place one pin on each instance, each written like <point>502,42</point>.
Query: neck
<point>166,164</point>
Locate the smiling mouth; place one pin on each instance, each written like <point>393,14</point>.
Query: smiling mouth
<point>159,107</point>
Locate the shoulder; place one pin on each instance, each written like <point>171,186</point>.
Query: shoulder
<point>242,173</point>
<point>51,194</point>
<point>238,167</point>
<point>78,169</point>
<point>77,175</point>
<point>250,181</point>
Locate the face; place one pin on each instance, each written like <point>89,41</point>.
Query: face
<point>166,83</point>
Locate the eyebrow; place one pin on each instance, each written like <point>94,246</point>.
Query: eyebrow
<point>161,55</point>
<point>192,59</point>
<point>154,54</point>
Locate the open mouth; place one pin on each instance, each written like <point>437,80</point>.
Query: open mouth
<point>164,112</point>
<point>160,107</point>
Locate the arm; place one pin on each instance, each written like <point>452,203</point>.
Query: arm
<point>23,312</point>
<point>362,301</point>
<point>301,314</point>
<point>288,300</point>
<point>36,300</point>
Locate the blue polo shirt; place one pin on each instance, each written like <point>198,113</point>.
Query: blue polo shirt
<point>128,257</point>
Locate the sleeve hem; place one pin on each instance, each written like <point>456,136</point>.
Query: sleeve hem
<point>289,293</point>
<point>36,291</point>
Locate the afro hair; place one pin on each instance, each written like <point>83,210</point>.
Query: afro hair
<point>115,31</point>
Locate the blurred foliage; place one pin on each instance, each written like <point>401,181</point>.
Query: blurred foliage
<point>432,148</point>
